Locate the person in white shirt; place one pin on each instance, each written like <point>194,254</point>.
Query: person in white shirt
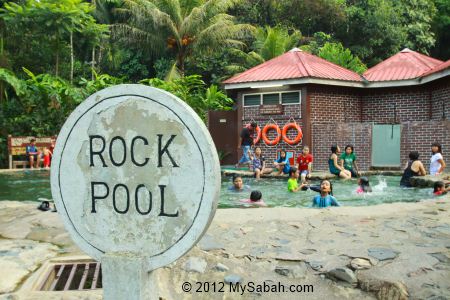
<point>437,164</point>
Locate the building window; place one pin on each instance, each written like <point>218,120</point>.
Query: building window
<point>285,98</point>
<point>252,100</point>
<point>290,98</point>
<point>270,99</point>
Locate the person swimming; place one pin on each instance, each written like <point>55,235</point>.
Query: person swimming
<point>325,199</point>
<point>440,189</point>
<point>364,186</point>
<point>255,199</point>
<point>238,185</point>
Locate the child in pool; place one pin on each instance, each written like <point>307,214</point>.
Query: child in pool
<point>364,186</point>
<point>255,199</point>
<point>292,183</point>
<point>440,189</point>
<point>282,163</point>
<point>325,198</point>
<point>238,185</point>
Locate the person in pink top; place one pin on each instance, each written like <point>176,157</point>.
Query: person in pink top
<point>255,199</point>
<point>304,164</point>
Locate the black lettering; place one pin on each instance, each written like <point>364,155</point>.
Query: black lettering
<point>136,200</point>
<point>93,197</point>
<point>114,199</point>
<point>132,151</point>
<point>99,153</point>
<point>161,151</point>
<point>162,213</point>
<point>124,151</point>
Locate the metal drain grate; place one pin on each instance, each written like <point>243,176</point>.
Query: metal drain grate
<point>73,276</point>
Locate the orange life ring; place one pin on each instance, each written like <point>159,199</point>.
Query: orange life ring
<point>258,134</point>
<point>297,139</point>
<point>264,134</point>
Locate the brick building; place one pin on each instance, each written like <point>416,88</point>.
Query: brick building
<point>401,104</point>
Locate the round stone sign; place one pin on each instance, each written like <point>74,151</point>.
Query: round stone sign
<point>135,171</point>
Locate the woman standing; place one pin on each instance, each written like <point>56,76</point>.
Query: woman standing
<point>437,164</point>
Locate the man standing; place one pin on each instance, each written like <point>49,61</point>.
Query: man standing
<point>246,143</point>
<point>33,154</point>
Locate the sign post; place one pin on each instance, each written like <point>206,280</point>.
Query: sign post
<point>136,178</point>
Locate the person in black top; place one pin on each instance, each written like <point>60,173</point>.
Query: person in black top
<point>414,167</point>
<point>246,143</point>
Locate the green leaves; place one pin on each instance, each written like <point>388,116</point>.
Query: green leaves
<point>336,53</point>
<point>193,91</point>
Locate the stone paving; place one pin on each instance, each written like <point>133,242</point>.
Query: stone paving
<point>388,251</point>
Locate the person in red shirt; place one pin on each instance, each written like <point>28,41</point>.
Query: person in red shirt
<point>304,163</point>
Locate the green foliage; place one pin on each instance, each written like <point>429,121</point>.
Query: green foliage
<point>336,53</point>
<point>269,43</point>
<point>317,42</point>
<point>440,27</point>
<point>193,91</point>
<point>99,82</point>
<point>417,16</point>
<point>167,27</point>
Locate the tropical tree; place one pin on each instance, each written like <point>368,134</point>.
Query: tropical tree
<point>336,53</point>
<point>269,42</point>
<point>183,28</point>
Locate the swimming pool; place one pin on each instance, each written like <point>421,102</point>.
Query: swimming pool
<point>35,186</point>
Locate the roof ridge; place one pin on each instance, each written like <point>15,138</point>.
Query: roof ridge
<point>298,57</point>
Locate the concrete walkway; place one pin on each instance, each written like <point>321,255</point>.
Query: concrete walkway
<point>389,251</point>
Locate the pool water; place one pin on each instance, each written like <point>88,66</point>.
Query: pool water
<point>386,189</point>
<point>35,185</point>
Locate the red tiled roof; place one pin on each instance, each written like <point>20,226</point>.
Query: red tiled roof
<point>295,64</point>
<point>406,64</point>
<point>438,68</point>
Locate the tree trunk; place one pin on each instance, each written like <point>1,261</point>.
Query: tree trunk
<point>71,57</point>
<point>93,63</point>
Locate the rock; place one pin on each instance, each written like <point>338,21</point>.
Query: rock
<point>232,278</point>
<point>20,257</point>
<point>308,251</point>
<point>208,243</point>
<point>383,289</point>
<point>283,271</point>
<point>195,264</point>
<point>221,268</point>
<point>315,265</point>
<point>382,253</point>
<point>360,263</point>
<point>441,257</point>
<point>344,274</point>
<point>292,270</point>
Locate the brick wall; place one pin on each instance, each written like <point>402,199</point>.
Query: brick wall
<point>418,136</point>
<point>325,135</point>
<point>440,96</point>
<point>289,111</point>
<point>334,104</point>
<point>387,106</point>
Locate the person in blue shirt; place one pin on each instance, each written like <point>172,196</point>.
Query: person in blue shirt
<point>282,163</point>
<point>325,198</point>
<point>33,154</point>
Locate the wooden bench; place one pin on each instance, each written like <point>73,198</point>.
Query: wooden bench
<point>17,147</point>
